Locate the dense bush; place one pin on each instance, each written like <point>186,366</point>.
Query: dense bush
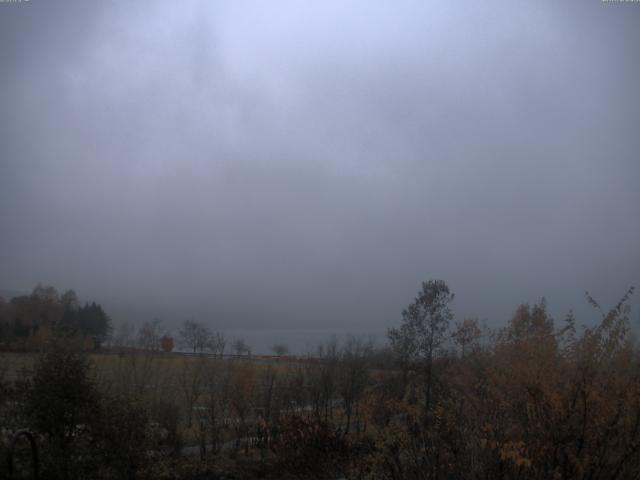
<point>309,445</point>
<point>81,432</point>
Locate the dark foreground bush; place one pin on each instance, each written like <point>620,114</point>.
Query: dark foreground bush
<point>310,446</point>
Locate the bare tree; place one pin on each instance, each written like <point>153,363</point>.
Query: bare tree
<point>321,379</point>
<point>217,343</point>
<point>280,349</point>
<point>466,335</point>
<point>240,347</point>
<point>268,379</point>
<point>215,400</point>
<point>268,403</point>
<point>353,377</point>
<point>241,396</point>
<point>195,336</point>
<point>124,336</point>
<point>149,335</point>
<point>190,380</point>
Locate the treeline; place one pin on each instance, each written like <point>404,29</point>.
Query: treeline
<point>535,399</point>
<point>27,321</point>
<point>152,335</point>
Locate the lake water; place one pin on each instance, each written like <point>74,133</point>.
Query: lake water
<point>299,341</point>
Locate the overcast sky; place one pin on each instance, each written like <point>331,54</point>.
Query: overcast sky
<point>308,164</point>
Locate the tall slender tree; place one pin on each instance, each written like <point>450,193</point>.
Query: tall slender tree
<point>422,332</point>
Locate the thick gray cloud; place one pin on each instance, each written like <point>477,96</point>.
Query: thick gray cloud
<point>289,165</point>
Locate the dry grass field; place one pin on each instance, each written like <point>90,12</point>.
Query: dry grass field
<point>15,365</point>
<point>187,385</point>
